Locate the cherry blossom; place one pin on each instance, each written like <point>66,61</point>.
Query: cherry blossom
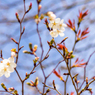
<point>57,27</point>
<point>7,66</point>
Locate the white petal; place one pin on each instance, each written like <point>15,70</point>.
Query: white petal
<point>7,74</point>
<point>55,27</point>
<point>61,34</point>
<point>14,65</point>
<point>11,69</point>
<point>1,65</point>
<point>53,34</point>
<point>11,59</point>
<point>5,61</point>
<point>62,29</point>
<point>61,21</point>
<point>1,73</point>
<point>64,25</point>
<point>57,20</point>
<point>50,25</point>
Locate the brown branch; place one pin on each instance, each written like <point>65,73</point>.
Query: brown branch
<point>53,89</point>
<point>7,92</point>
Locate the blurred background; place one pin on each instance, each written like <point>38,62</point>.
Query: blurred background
<point>64,9</point>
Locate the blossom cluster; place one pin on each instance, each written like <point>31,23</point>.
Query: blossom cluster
<point>7,66</point>
<point>57,27</point>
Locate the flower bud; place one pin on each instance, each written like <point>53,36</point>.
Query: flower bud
<point>35,48</point>
<point>11,89</point>
<point>17,16</point>
<point>27,76</point>
<point>86,80</point>
<point>30,6</point>
<point>51,15</point>
<point>35,61</point>
<point>28,83</point>
<point>46,22</point>
<point>23,30</point>
<point>30,46</point>
<point>39,7</point>
<point>13,54</point>
<point>14,40</point>
<point>36,81</point>
<point>78,81</point>
<point>37,20</point>
<point>25,51</point>
<point>21,47</point>
<point>42,16</point>
<point>48,90</point>
<point>3,86</point>
<point>75,79</point>
<point>16,92</point>
<point>63,40</point>
<point>54,84</point>
<point>46,56</point>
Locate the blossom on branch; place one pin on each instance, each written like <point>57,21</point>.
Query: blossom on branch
<point>57,27</point>
<point>7,66</point>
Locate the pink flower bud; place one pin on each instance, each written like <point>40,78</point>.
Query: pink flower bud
<point>39,8</point>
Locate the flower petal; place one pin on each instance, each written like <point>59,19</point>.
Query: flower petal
<point>61,34</point>
<point>53,34</point>
<point>7,74</point>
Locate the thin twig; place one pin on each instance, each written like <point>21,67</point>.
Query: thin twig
<point>7,92</point>
<point>54,89</point>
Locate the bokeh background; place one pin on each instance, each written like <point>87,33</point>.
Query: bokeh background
<point>64,9</point>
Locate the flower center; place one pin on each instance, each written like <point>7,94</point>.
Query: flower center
<point>60,25</point>
<point>1,61</point>
<point>5,69</point>
<point>8,64</point>
<point>58,31</point>
<point>54,23</point>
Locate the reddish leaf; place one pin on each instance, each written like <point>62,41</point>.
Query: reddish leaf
<point>84,37</point>
<point>79,33</point>
<point>72,93</point>
<point>84,32</point>
<point>71,24</point>
<point>84,14</point>
<point>76,60</point>
<point>57,74</point>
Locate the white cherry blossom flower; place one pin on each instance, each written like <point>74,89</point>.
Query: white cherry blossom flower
<point>9,63</point>
<point>4,70</point>
<point>61,25</point>
<point>54,23</point>
<point>58,27</point>
<point>7,66</point>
